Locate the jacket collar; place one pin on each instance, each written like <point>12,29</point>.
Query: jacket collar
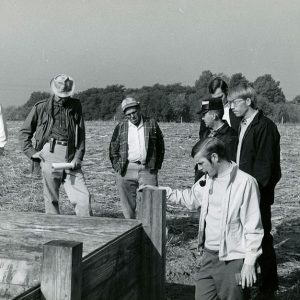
<point>49,105</point>
<point>257,117</point>
<point>253,123</point>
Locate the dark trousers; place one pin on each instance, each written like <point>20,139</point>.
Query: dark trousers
<point>267,260</point>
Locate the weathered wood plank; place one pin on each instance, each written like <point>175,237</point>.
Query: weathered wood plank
<point>61,270</point>
<point>116,264</point>
<point>33,293</point>
<point>151,210</point>
<point>23,234</point>
<point>113,271</point>
<point>18,272</point>
<point>9,291</point>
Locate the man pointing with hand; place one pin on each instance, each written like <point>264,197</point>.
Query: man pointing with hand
<point>230,229</point>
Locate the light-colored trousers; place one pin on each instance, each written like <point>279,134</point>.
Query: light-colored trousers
<point>72,180</point>
<point>216,280</point>
<point>136,176</point>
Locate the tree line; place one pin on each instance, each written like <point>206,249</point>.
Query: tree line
<point>172,102</point>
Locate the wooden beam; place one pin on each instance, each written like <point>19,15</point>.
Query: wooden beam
<point>151,210</point>
<point>61,270</point>
<point>113,271</point>
<point>30,294</point>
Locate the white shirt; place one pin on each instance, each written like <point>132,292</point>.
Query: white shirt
<point>3,130</point>
<point>244,125</point>
<point>213,218</point>
<point>136,142</point>
<point>226,114</point>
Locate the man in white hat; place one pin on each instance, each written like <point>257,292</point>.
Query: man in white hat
<point>136,153</point>
<point>59,133</point>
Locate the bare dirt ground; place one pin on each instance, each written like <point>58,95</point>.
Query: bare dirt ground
<point>22,191</point>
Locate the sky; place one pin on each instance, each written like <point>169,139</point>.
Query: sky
<point>142,42</point>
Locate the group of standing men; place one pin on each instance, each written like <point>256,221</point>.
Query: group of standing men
<point>237,161</point>
<point>242,163</point>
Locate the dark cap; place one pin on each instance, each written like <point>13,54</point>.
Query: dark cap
<point>211,104</point>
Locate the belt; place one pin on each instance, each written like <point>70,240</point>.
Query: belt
<point>138,162</point>
<point>63,143</point>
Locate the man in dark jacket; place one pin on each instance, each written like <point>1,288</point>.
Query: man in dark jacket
<point>136,152</point>
<point>258,154</point>
<point>58,129</point>
<point>217,88</point>
<point>212,112</point>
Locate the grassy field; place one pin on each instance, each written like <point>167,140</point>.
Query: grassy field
<point>22,191</point>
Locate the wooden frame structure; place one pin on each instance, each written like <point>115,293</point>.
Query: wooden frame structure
<point>129,266</point>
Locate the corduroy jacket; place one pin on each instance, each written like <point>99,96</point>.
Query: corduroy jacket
<point>154,143</point>
<point>39,123</point>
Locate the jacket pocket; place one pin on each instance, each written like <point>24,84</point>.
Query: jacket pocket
<point>234,233</point>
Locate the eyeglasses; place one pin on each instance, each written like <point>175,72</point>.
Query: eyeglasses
<point>132,114</point>
<point>235,102</point>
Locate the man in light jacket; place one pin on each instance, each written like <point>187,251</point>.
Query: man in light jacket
<point>3,132</point>
<point>230,229</point>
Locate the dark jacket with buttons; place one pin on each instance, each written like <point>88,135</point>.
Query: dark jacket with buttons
<point>39,123</point>
<point>260,155</point>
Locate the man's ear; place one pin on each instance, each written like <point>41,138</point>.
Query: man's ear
<point>214,157</point>
<point>248,101</point>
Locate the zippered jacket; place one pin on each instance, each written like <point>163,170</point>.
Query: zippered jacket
<point>241,230</point>
<point>154,143</point>
<point>39,123</point>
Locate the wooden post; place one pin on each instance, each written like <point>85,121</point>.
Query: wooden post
<point>61,270</point>
<point>151,210</point>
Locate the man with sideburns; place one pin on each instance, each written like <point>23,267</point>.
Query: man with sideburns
<point>230,229</point>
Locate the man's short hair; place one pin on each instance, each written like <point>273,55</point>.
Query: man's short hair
<point>216,83</point>
<point>208,146</point>
<point>243,91</point>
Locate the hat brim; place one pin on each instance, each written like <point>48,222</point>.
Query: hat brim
<point>202,111</point>
<point>61,94</point>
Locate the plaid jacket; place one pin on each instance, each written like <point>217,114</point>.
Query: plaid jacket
<point>154,143</point>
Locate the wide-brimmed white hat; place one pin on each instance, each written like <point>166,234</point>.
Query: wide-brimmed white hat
<point>62,85</point>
